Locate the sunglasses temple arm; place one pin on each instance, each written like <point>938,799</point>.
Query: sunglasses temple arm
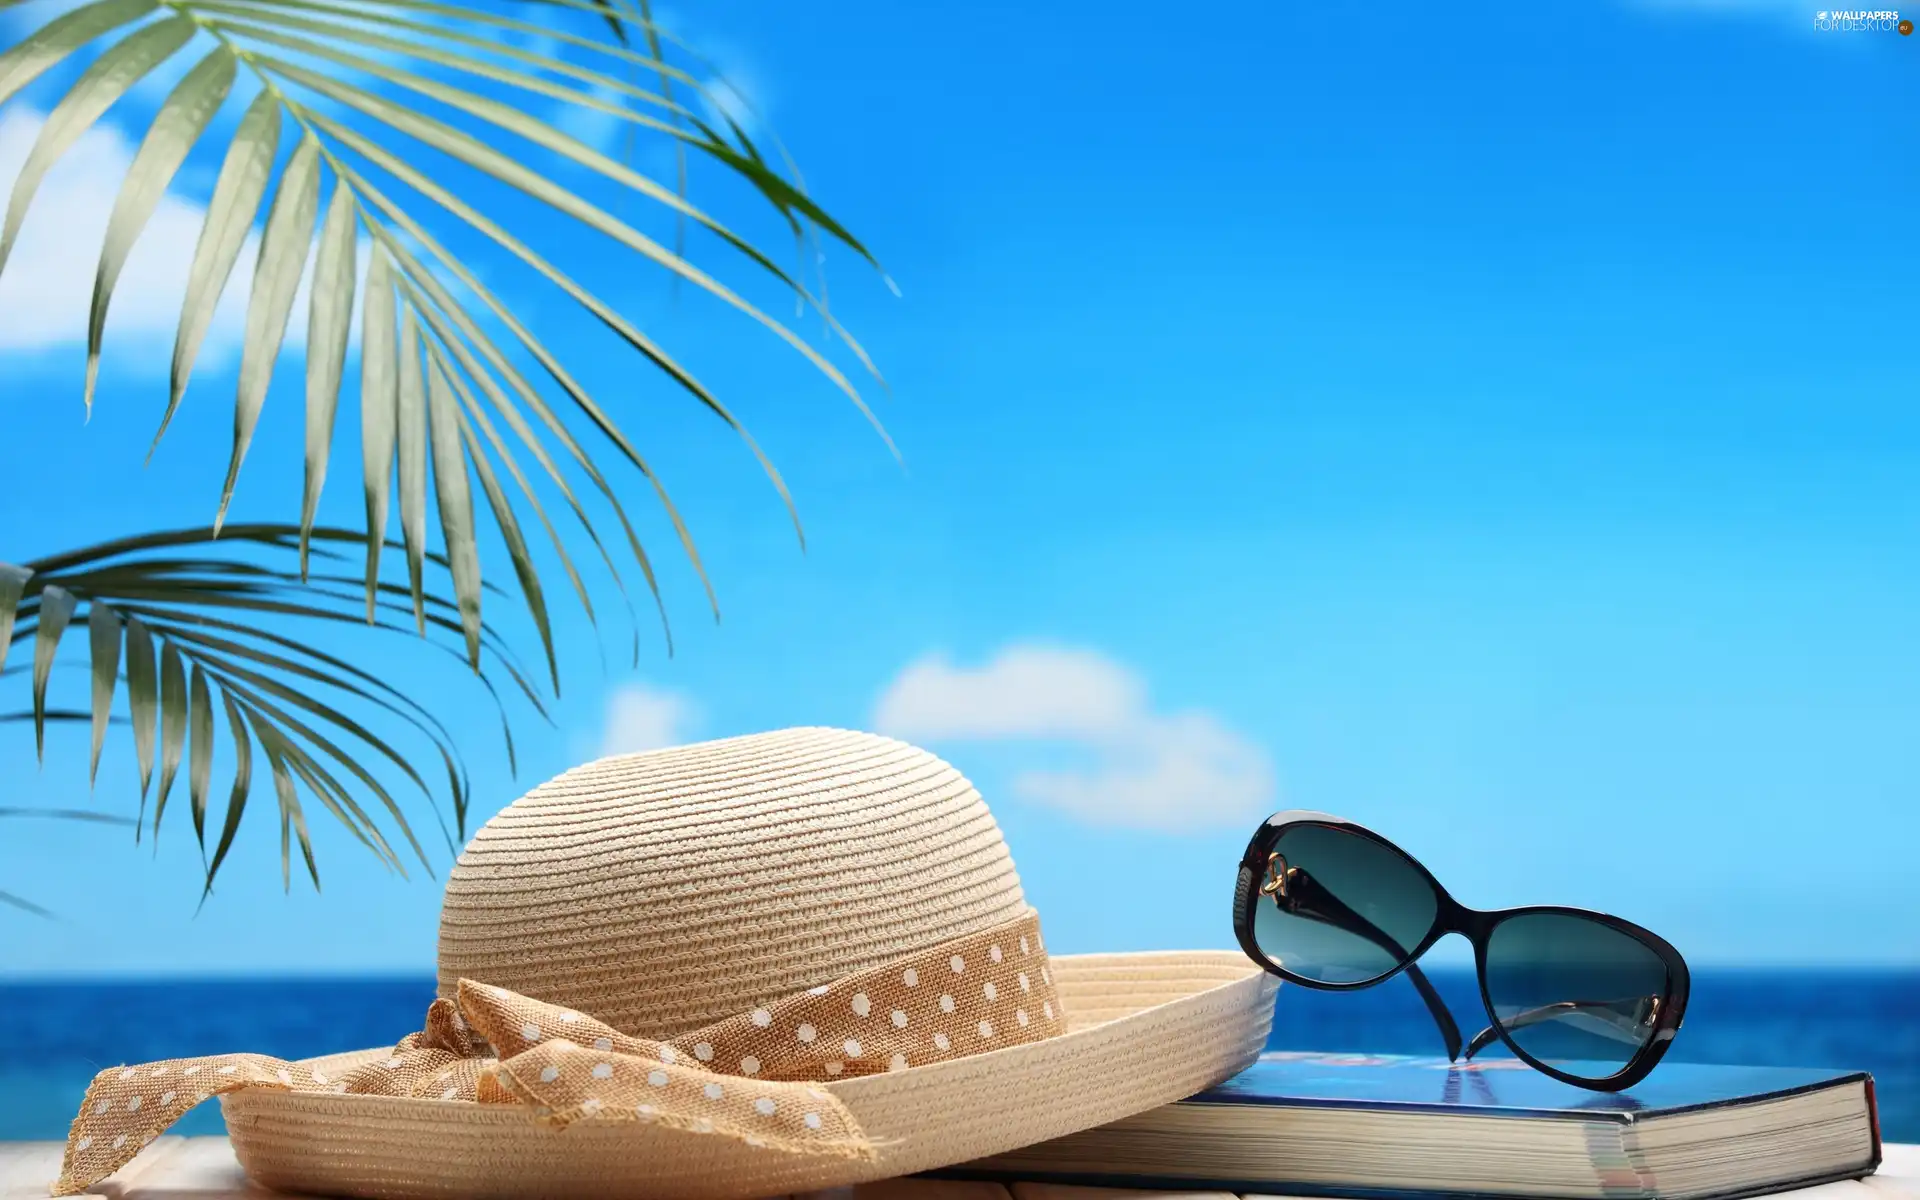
<point>1606,1015</point>
<point>1314,895</point>
<point>1449,1030</point>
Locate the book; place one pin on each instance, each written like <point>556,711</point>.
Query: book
<point>1394,1127</point>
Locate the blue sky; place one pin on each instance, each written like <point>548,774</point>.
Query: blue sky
<point>1494,425</point>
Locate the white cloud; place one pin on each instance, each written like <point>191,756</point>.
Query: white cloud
<point>645,718</point>
<point>1024,692</point>
<point>1144,769</point>
<point>48,285</point>
<point>595,127</point>
<point>1178,772</point>
<point>734,97</point>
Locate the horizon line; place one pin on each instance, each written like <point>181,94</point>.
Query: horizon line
<point>397,975</point>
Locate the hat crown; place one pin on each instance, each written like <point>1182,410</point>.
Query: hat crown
<point>660,892</point>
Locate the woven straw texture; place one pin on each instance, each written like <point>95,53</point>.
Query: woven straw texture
<point>1174,1024</point>
<point>747,1078</point>
<point>664,891</point>
<point>668,891</point>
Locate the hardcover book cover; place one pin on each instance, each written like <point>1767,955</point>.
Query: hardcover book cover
<point>1503,1086</point>
<point>1398,1127</point>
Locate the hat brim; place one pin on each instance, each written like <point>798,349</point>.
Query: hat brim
<point>1144,1030</point>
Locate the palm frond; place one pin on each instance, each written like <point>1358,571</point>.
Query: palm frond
<point>358,91</point>
<point>219,640</point>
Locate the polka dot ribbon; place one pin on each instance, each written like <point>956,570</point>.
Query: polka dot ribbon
<point>749,1077</point>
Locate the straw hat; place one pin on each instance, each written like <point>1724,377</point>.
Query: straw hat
<point>745,968</point>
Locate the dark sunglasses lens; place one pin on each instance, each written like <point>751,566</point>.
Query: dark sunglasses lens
<point>1336,907</point>
<point>1574,992</point>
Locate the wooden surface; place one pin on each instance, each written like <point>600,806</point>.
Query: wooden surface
<point>204,1169</point>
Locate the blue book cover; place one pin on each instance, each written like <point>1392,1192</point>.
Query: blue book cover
<point>1182,1146</point>
<point>1501,1086</point>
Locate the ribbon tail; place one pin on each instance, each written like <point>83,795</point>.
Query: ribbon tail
<point>126,1108</point>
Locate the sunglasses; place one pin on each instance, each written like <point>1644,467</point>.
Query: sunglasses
<point>1584,997</point>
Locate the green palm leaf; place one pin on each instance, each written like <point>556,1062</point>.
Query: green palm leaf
<point>173,723</point>
<point>412,415</point>
<point>57,605</point>
<point>455,494</point>
<point>327,331</point>
<point>143,699</point>
<point>103,632</point>
<point>378,89</point>
<point>51,44</point>
<point>276,277</point>
<point>181,121</point>
<point>231,623</point>
<point>124,64</point>
<point>236,198</point>
<point>379,410</point>
<point>13,583</point>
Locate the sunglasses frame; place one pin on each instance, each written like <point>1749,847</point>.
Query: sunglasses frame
<point>1477,926</point>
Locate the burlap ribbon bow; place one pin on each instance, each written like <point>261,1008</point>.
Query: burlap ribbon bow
<point>749,1077</point>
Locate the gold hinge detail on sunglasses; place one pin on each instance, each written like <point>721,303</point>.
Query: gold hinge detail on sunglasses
<point>1277,872</point>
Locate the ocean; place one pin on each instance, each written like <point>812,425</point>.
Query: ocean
<point>54,1036</point>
